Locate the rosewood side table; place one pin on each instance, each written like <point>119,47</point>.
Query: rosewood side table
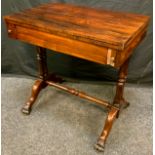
<point>97,35</point>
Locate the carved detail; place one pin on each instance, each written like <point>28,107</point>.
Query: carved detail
<point>81,94</point>
<point>119,101</point>
<point>41,57</point>
<point>75,92</point>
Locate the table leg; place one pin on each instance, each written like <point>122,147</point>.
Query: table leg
<point>107,128</point>
<point>119,102</point>
<point>36,88</point>
<point>40,83</point>
<point>42,63</point>
<point>43,70</point>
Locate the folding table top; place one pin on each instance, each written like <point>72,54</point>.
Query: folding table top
<point>96,26</point>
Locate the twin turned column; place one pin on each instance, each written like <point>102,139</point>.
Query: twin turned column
<point>40,83</point>
<point>118,102</point>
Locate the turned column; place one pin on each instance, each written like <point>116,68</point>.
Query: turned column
<point>42,64</point>
<point>122,76</point>
<point>113,113</point>
<point>40,83</point>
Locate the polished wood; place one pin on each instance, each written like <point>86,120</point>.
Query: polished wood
<point>121,57</point>
<point>37,87</point>
<point>63,45</point>
<point>95,26</point>
<point>113,112</point>
<point>97,35</point>
<point>119,102</point>
<point>41,57</point>
<point>91,32</point>
<point>41,83</point>
<point>81,94</point>
<point>122,75</point>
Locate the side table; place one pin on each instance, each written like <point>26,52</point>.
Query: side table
<point>97,35</point>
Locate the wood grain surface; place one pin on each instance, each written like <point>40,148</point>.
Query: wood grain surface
<point>100,27</point>
<point>97,35</point>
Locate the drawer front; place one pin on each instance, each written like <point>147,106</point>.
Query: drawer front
<point>64,45</point>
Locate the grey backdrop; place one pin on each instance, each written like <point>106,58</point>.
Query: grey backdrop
<point>18,58</point>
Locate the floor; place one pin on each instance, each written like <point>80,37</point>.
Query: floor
<point>62,124</point>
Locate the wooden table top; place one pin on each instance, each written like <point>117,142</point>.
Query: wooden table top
<point>99,27</point>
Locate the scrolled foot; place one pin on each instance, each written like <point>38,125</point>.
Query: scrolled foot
<point>37,87</point>
<point>113,112</point>
<point>26,110</point>
<point>100,145</point>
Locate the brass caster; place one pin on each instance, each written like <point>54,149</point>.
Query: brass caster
<point>100,146</point>
<point>26,110</point>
